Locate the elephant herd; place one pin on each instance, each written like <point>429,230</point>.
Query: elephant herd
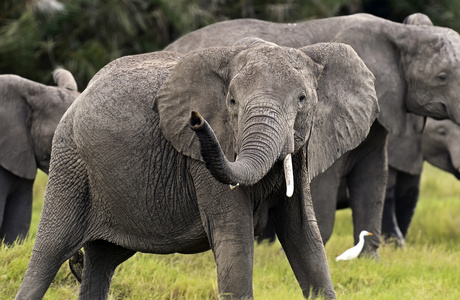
<point>234,126</point>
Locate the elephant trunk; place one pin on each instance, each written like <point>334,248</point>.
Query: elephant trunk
<point>454,152</point>
<point>259,151</point>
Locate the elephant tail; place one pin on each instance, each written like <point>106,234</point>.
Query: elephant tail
<point>76,264</point>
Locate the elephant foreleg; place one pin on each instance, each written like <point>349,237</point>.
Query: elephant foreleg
<point>228,221</point>
<point>297,230</point>
<point>299,235</point>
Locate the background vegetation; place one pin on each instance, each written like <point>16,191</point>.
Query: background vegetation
<point>427,268</point>
<point>84,35</point>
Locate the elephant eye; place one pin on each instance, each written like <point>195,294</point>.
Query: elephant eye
<point>442,131</point>
<point>302,98</point>
<point>442,77</point>
<point>232,101</point>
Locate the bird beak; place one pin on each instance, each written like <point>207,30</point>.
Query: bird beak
<point>370,233</point>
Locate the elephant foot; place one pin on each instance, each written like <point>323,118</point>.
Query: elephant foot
<point>76,264</point>
<point>395,240</point>
<point>370,251</point>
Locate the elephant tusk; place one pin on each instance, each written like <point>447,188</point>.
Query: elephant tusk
<point>289,175</point>
<point>232,187</point>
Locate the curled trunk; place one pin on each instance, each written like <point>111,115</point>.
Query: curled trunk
<point>259,151</point>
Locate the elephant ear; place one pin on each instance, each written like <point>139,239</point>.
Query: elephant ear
<point>347,104</point>
<point>197,83</point>
<point>16,149</point>
<point>374,42</point>
<point>65,79</point>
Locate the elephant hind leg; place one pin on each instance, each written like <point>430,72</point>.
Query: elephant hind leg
<point>76,264</point>
<point>63,223</point>
<point>100,261</point>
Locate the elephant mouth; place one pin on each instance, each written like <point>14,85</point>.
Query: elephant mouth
<point>299,141</point>
<point>288,175</point>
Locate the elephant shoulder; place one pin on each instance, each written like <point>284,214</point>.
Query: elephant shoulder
<point>118,101</point>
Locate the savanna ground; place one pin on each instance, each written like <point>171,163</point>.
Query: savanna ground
<point>427,268</point>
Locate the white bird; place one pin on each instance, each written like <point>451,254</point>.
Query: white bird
<point>353,253</point>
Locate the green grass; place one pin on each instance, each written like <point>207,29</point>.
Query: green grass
<point>427,268</point>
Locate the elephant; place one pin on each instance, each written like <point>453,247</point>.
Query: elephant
<point>416,66</point>
<point>165,153</point>
<point>29,114</point>
<point>439,145</point>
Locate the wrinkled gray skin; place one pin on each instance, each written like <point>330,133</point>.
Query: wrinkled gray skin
<point>125,177</point>
<point>440,146</point>
<point>29,114</point>
<point>417,67</point>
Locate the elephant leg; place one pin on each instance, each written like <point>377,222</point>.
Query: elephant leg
<point>100,262</point>
<point>407,192</point>
<point>366,183</point>
<point>228,221</point>
<point>17,212</point>
<point>324,189</point>
<point>390,228</point>
<point>62,226</point>
<point>299,235</point>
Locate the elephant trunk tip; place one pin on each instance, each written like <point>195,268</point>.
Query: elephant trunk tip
<point>196,121</point>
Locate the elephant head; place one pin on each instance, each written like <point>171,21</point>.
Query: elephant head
<point>416,65</point>
<point>431,68</point>
<point>441,145</point>
<point>429,90</point>
<point>29,114</point>
<point>263,103</point>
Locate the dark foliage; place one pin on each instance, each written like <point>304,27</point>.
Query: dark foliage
<point>84,35</point>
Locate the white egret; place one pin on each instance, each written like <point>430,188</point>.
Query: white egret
<point>353,253</point>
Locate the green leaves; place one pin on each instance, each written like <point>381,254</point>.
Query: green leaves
<point>83,35</point>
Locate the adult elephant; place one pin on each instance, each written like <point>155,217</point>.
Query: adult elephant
<point>417,68</point>
<point>439,145</point>
<point>125,177</point>
<point>29,114</point>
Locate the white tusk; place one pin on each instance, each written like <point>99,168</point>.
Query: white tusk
<point>289,175</point>
<point>232,187</point>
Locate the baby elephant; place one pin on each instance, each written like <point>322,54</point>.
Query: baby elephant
<point>29,114</point>
<point>439,145</point>
<point>144,158</point>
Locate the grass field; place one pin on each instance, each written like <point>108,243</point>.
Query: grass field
<point>427,268</point>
